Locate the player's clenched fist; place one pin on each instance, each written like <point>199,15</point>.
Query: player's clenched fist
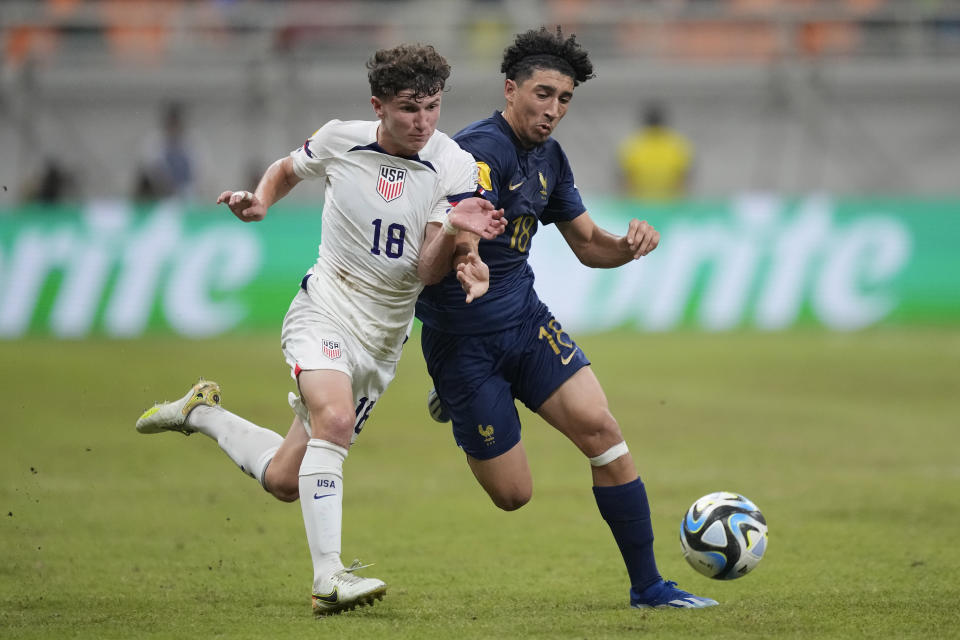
<point>641,238</point>
<point>244,205</point>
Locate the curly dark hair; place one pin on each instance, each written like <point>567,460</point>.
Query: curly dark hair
<point>416,67</point>
<point>540,49</point>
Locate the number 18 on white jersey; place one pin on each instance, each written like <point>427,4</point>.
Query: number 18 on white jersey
<point>375,209</point>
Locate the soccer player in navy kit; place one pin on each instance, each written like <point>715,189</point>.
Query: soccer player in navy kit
<point>507,344</point>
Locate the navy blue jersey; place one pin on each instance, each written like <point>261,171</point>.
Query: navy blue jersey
<point>533,187</point>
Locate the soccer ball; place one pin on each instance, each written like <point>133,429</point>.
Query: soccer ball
<point>723,535</point>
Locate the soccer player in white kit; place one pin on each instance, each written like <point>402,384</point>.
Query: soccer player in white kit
<point>396,193</point>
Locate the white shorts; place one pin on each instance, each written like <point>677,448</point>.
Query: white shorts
<point>311,339</point>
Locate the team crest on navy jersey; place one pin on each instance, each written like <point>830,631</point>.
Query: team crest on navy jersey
<point>390,182</point>
<point>331,349</point>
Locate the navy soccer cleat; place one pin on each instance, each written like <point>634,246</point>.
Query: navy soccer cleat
<point>666,595</point>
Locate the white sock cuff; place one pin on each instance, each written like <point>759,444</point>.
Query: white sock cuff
<point>263,462</point>
<point>610,455</point>
<point>317,443</point>
<point>201,414</point>
<point>322,457</point>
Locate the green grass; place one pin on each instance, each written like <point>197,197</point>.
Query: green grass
<point>848,443</point>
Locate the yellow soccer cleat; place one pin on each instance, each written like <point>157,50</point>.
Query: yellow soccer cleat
<point>172,416</point>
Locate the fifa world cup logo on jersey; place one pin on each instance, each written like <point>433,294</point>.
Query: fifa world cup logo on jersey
<point>486,432</point>
<point>390,182</point>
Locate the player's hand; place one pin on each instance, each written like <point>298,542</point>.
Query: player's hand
<point>244,205</point>
<point>474,276</point>
<point>479,216</point>
<point>641,238</point>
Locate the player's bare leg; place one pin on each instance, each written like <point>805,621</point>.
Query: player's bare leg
<point>328,397</point>
<point>506,478</point>
<point>282,476</point>
<point>579,410</point>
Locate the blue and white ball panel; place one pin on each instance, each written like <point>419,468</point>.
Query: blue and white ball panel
<point>723,535</point>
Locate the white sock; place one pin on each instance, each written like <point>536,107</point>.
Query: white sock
<point>249,446</point>
<point>321,499</point>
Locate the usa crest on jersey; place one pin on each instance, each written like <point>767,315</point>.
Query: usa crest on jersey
<point>390,182</point>
<point>331,348</point>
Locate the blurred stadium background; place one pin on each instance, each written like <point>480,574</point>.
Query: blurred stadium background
<point>805,301</point>
<point>835,122</point>
<point>790,96</point>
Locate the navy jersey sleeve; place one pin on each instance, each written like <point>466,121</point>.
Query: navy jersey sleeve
<point>565,203</point>
<point>493,162</point>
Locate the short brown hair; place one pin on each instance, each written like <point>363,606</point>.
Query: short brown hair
<point>416,67</point>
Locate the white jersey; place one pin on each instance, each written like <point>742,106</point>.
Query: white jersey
<point>376,207</point>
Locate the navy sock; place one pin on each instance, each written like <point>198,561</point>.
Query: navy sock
<point>626,510</point>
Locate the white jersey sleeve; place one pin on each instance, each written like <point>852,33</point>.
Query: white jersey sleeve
<point>458,175</point>
<point>310,160</point>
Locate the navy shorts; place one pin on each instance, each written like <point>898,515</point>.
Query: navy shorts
<point>477,377</point>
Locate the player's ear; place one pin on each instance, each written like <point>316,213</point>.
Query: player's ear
<point>377,106</point>
<point>509,89</point>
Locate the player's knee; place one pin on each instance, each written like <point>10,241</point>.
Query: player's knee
<point>513,499</point>
<point>332,424</point>
<point>511,503</point>
<point>599,434</point>
<point>285,494</point>
<point>283,488</point>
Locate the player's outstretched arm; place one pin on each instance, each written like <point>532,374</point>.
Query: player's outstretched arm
<point>276,182</point>
<point>474,215</point>
<point>595,247</point>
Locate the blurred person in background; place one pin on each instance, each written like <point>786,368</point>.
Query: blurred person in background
<point>655,162</point>
<point>169,162</point>
<point>508,345</point>
<point>53,184</point>
<point>396,192</point>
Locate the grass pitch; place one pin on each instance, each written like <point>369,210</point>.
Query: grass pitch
<point>848,443</point>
